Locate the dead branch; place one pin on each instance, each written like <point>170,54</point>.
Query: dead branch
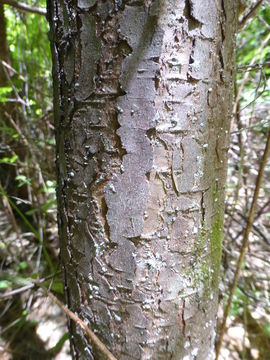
<point>25,7</point>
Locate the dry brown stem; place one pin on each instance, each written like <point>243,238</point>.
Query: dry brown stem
<point>91,336</point>
<point>25,7</point>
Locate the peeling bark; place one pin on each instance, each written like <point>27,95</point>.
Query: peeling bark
<point>143,93</point>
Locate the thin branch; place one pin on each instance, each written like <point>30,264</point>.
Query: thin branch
<point>29,146</point>
<point>246,77</point>
<point>21,77</point>
<point>249,14</point>
<point>18,98</point>
<point>11,69</point>
<point>257,96</point>
<point>14,222</point>
<point>251,296</point>
<point>25,7</point>
<point>33,284</point>
<point>256,228</point>
<point>263,208</point>
<point>244,244</point>
<point>30,226</point>
<point>90,334</point>
<point>259,123</point>
<point>12,217</point>
<point>252,67</point>
<point>264,22</point>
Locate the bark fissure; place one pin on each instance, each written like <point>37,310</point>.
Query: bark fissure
<point>193,23</point>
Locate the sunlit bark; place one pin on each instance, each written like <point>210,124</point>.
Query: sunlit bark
<point>143,93</point>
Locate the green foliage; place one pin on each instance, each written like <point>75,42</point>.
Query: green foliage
<point>249,48</point>
<point>59,344</point>
<point>4,284</point>
<point>23,180</point>
<point>250,40</point>
<point>267,329</point>
<point>9,160</point>
<point>27,178</point>
<point>239,301</point>
<point>58,287</point>
<point>4,92</point>
<point>31,58</point>
<point>216,235</point>
<point>27,127</point>
<point>9,132</point>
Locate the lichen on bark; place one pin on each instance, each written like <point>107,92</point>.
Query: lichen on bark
<point>216,235</point>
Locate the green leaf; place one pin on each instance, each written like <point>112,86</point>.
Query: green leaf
<point>4,284</point>
<point>5,90</point>
<point>20,281</point>
<point>23,265</point>
<point>267,328</point>
<point>9,131</point>
<point>58,287</point>
<point>54,350</point>
<point>38,112</point>
<point>23,180</point>
<point>7,160</point>
<point>45,207</point>
<point>50,187</point>
<point>51,184</point>
<point>51,141</point>
<point>48,205</point>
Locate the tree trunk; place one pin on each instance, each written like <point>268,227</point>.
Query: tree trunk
<point>143,93</point>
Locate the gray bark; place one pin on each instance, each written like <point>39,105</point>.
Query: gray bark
<point>143,93</point>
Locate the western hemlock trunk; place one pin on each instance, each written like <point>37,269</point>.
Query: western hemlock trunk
<point>143,93</point>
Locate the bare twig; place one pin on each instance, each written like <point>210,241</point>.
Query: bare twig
<point>259,123</point>
<point>33,284</point>
<point>12,217</point>
<point>18,98</point>
<point>253,67</point>
<point>264,208</point>
<point>27,144</point>
<point>264,22</point>
<point>256,228</point>
<point>249,14</point>
<point>257,96</point>
<point>30,226</point>
<point>25,7</point>
<point>246,77</point>
<point>90,334</point>
<point>240,169</point>
<point>244,244</point>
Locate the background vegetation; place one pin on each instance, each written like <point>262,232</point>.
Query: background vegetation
<point>31,325</point>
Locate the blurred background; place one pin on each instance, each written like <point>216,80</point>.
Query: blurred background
<point>31,325</point>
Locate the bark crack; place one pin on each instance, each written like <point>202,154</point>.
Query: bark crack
<point>193,23</point>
